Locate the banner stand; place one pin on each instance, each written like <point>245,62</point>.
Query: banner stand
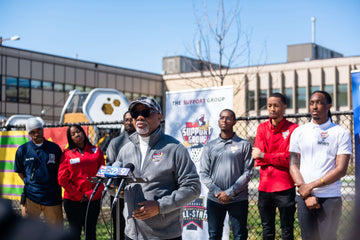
<point>355,76</point>
<point>192,118</point>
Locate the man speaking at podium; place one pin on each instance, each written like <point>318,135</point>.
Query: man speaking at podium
<point>112,151</point>
<point>153,210</point>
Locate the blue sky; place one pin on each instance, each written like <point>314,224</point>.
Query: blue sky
<point>137,34</point>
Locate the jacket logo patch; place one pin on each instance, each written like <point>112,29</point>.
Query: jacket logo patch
<point>157,157</point>
<point>74,160</point>
<point>233,148</point>
<point>51,158</point>
<point>94,150</point>
<point>285,134</point>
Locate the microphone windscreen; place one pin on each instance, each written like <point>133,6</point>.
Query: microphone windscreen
<point>130,166</point>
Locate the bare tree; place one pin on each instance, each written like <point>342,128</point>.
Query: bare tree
<point>220,43</point>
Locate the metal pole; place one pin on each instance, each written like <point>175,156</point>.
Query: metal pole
<point>117,227</point>
<point>313,19</point>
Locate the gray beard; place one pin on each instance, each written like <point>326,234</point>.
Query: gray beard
<point>143,131</point>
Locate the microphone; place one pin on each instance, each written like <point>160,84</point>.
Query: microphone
<point>115,172</point>
<point>95,189</point>
<point>131,168</point>
<point>100,174</point>
<point>106,187</point>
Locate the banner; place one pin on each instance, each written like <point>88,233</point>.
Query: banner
<point>355,76</point>
<point>58,136</point>
<point>192,118</point>
<point>11,184</point>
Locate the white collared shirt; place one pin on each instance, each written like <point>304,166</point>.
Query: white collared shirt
<point>318,146</point>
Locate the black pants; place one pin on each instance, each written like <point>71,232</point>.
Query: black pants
<point>178,238</point>
<point>76,212</point>
<point>285,202</point>
<point>238,212</point>
<point>319,223</point>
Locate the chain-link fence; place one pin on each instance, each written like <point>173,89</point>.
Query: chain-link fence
<point>246,128</point>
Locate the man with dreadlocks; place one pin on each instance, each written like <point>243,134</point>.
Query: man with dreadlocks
<point>319,156</point>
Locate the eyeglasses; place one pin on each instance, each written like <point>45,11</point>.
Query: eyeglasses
<point>145,113</point>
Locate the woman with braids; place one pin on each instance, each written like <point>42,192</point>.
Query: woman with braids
<point>319,156</point>
<point>80,161</point>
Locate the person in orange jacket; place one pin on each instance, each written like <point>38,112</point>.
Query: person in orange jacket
<point>80,161</point>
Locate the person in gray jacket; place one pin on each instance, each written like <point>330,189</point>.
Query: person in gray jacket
<point>118,142</point>
<point>154,210</point>
<point>111,153</point>
<point>226,167</point>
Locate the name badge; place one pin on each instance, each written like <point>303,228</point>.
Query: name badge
<point>74,160</point>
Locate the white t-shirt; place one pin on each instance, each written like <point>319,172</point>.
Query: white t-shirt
<point>318,146</point>
<point>144,144</point>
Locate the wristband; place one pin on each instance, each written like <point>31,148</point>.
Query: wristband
<point>322,181</point>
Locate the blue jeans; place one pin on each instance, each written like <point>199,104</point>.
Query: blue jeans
<point>285,202</point>
<point>319,223</point>
<point>238,213</point>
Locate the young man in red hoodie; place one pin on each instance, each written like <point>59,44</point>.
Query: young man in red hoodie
<point>271,153</point>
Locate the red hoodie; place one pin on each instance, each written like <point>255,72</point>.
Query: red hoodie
<point>274,167</point>
<point>75,169</point>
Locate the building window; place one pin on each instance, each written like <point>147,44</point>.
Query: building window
<point>17,90</point>
<point>342,95</point>
<point>24,90</point>
<point>301,97</point>
<point>80,88</point>
<point>159,100</point>
<point>59,87</point>
<point>135,96</point>
<point>128,96</point>
<point>262,99</point>
<point>68,87</point>
<point>250,103</point>
<point>314,88</point>
<point>289,96</point>
<point>48,85</point>
<point>88,89</point>
<point>275,90</point>
<point>330,90</point>
<point>36,84</point>
<point>11,89</point>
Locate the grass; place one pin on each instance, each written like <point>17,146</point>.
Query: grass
<point>255,227</point>
<point>254,223</point>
